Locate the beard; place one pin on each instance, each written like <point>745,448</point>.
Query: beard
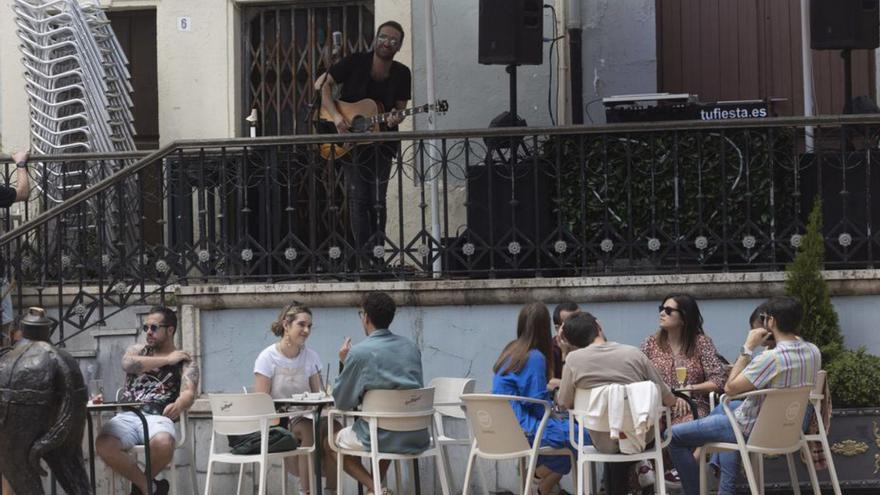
<point>385,54</point>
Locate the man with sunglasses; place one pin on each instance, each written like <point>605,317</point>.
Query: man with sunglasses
<point>166,381</point>
<point>787,362</point>
<point>377,76</point>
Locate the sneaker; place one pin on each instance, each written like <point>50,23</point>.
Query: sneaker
<point>385,491</point>
<point>672,479</point>
<point>646,473</point>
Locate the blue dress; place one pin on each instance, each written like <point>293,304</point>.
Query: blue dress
<point>531,382</point>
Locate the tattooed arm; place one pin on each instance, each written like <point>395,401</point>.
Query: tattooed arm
<point>189,386</point>
<point>133,363</point>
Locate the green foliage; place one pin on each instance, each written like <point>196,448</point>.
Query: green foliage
<point>853,376</point>
<point>676,186</point>
<point>803,281</point>
<point>854,379</point>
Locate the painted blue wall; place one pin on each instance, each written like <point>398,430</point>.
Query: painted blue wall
<point>464,341</point>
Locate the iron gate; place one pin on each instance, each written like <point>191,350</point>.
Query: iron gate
<point>285,48</point>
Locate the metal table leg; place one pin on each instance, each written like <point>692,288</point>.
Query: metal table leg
<point>318,489</point>
<point>91,451</point>
<point>147,465</point>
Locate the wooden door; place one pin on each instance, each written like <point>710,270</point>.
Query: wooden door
<point>749,49</point>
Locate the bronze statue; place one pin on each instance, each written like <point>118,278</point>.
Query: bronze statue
<point>42,411</point>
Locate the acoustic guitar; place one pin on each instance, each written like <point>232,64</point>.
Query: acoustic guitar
<point>364,116</point>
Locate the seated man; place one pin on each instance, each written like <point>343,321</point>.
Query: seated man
<point>382,361</point>
<point>560,313</point>
<point>593,361</point>
<point>166,381</point>
<point>791,363</point>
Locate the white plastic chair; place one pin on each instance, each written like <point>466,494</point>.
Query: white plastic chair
<point>816,397</point>
<point>181,443</point>
<point>447,404</point>
<point>391,410</point>
<point>587,454</point>
<point>240,414</point>
<point>778,430</point>
<point>494,426</point>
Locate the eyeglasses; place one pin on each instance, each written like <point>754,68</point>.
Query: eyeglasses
<point>361,313</point>
<point>153,328</point>
<point>388,40</point>
<point>668,310</point>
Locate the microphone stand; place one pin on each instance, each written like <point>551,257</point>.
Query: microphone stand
<point>316,102</point>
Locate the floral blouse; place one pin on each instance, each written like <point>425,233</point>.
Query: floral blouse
<point>702,367</point>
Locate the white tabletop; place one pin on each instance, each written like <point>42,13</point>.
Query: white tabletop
<point>310,398</point>
<point>106,406</point>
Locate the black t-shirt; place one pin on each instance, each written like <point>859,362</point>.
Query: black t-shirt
<point>353,73</point>
<point>7,196</point>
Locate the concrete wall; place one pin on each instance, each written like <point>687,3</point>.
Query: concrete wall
<point>619,57</point>
<point>476,93</point>
<point>464,341</point>
<point>619,51</point>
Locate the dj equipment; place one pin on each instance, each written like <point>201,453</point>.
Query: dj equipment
<point>655,107</point>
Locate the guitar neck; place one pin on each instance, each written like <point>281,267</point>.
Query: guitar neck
<point>382,117</point>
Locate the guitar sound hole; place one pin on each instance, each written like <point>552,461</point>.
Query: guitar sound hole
<point>360,124</point>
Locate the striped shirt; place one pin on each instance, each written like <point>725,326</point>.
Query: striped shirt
<point>791,364</point>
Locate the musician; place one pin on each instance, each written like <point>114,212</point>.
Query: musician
<point>377,76</point>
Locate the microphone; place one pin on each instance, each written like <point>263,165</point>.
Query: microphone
<point>337,43</point>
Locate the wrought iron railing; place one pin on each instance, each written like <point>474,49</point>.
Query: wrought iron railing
<point>529,202</point>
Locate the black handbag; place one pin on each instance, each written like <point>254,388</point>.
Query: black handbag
<point>280,440</point>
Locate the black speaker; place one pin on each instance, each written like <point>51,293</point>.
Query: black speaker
<point>842,24</point>
<point>511,32</point>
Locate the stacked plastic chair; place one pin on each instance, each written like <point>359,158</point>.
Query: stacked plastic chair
<point>79,95</point>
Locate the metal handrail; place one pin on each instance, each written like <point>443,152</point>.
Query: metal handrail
<point>824,120</point>
<point>220,143</point>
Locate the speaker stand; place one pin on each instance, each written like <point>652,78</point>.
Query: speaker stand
<point>511,70</point>
<point>846,55</point>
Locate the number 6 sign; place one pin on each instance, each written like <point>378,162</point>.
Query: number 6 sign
<point>184,24</point>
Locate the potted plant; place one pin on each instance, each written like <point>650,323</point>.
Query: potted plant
<point>853,377</point>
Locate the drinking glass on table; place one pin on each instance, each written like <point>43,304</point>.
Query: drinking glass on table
<point>681,371</point>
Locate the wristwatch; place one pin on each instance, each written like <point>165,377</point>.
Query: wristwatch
<point>746,352</point>
<point>21,164</point>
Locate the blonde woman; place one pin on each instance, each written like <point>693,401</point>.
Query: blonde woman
<point>289,367</point>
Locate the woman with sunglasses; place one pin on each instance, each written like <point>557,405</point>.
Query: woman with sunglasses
<point>522,370</point>
<point>681,343</point>
<point>289,367</point>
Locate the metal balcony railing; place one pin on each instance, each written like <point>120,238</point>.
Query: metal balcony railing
<point>528,202</point>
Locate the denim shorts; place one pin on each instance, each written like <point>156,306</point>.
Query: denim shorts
<point>127,427</point>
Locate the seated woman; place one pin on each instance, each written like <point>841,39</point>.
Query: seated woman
<point>288,367</point>
<point>681,343</point>
<point>681,346</point>
<point>522,370</point>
